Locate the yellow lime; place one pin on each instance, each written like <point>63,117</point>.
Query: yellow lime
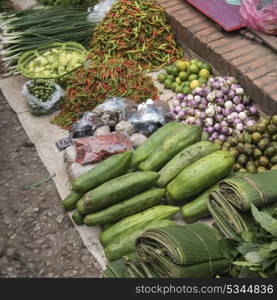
<point>194,84</point>
<point>181,65</point>
<point>178,80</point>
<point>204,73</point>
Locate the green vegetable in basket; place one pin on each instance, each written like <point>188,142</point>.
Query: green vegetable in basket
<point>53,61</point>
<point>33,27</point>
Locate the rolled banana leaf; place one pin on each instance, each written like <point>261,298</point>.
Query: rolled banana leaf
<point>229,205</point>
<point>116,269</point>
<point>178,252</point>
<point>258,189</point>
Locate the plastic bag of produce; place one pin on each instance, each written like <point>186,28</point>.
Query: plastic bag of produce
<point>73,168</point>
<point>260,15</point>
<point>114,110</point>
<point>98,12</point>
<point>40,107</point>
<point>150,116</point>
<point>86,125</point>
<point>96,148</point>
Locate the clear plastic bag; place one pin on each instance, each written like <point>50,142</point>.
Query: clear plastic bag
<point>95,148</point>
<point>38,107</point>
<point>98,12</point>
<point>150,116</point>
<point>114,110</point>
<point>86,125</point>
<point>260,15</point>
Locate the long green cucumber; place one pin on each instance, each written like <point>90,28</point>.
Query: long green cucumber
<point>104,171</point>
<point>182,138</point>
<point>198,208</point>
<point>155,140</point>
<point>71,200</point>
<point>126,208</point>
<point>199,176</point>
<point>106,226</point>
<point>157,212</point>
<point>183,159</point>
<point>116,190</point>
<point>77,218</point>
<point>125,244</point>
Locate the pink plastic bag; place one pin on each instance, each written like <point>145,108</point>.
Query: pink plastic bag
<point>260,15</point>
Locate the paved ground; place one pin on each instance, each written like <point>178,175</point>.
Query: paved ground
<point>37,237</point>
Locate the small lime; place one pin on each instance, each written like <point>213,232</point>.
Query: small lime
<point>175,71</point>
<point>204,73</point>
<point>186,90</point>
<point>162,77</point>
<point>206,66</point>
<point>170,77</point>
<point>179,89</point>
<point>199,65</point>
<point>202,80</point>
<point>194,61</point>
<point>174,86</point>
<point>183,76</point>
<point>169,69</point>
<point>181,65</point>
<point>178,80</point>
<point>186,83</point>
<point>193,77</point>
<point>168,84</point>
<point>194,84</point>
<point>193,69</point>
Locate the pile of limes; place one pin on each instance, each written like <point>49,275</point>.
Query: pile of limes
<point>184,76</point>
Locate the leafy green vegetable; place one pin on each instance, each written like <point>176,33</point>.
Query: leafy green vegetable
<point>265,220</point>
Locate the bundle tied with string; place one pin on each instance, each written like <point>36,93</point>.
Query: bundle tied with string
<point>189,251</point>
<point>230,205</point>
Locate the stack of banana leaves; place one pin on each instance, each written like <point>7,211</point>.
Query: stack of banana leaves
<point>245,211</point>
<point>187,251</point>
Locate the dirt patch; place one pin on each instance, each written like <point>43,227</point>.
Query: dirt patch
<point>37,237</point>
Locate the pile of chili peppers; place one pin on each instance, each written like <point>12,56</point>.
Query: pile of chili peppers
<point>90,86</point>
<point>136,30</point>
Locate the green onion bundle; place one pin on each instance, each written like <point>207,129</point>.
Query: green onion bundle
<point>66,3</point>
<point>35,26</point>
<point>5,5</point>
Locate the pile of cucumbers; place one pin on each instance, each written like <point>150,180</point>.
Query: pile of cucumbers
<point>134,191</point>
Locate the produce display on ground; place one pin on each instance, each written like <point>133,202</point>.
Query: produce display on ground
<point>255,149</point>
<point>139,167</point>
<point>184,76</point>
<point>33,27</point>
<point>220,106</point>
<point>135,30</point>
<point>90,86</point>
